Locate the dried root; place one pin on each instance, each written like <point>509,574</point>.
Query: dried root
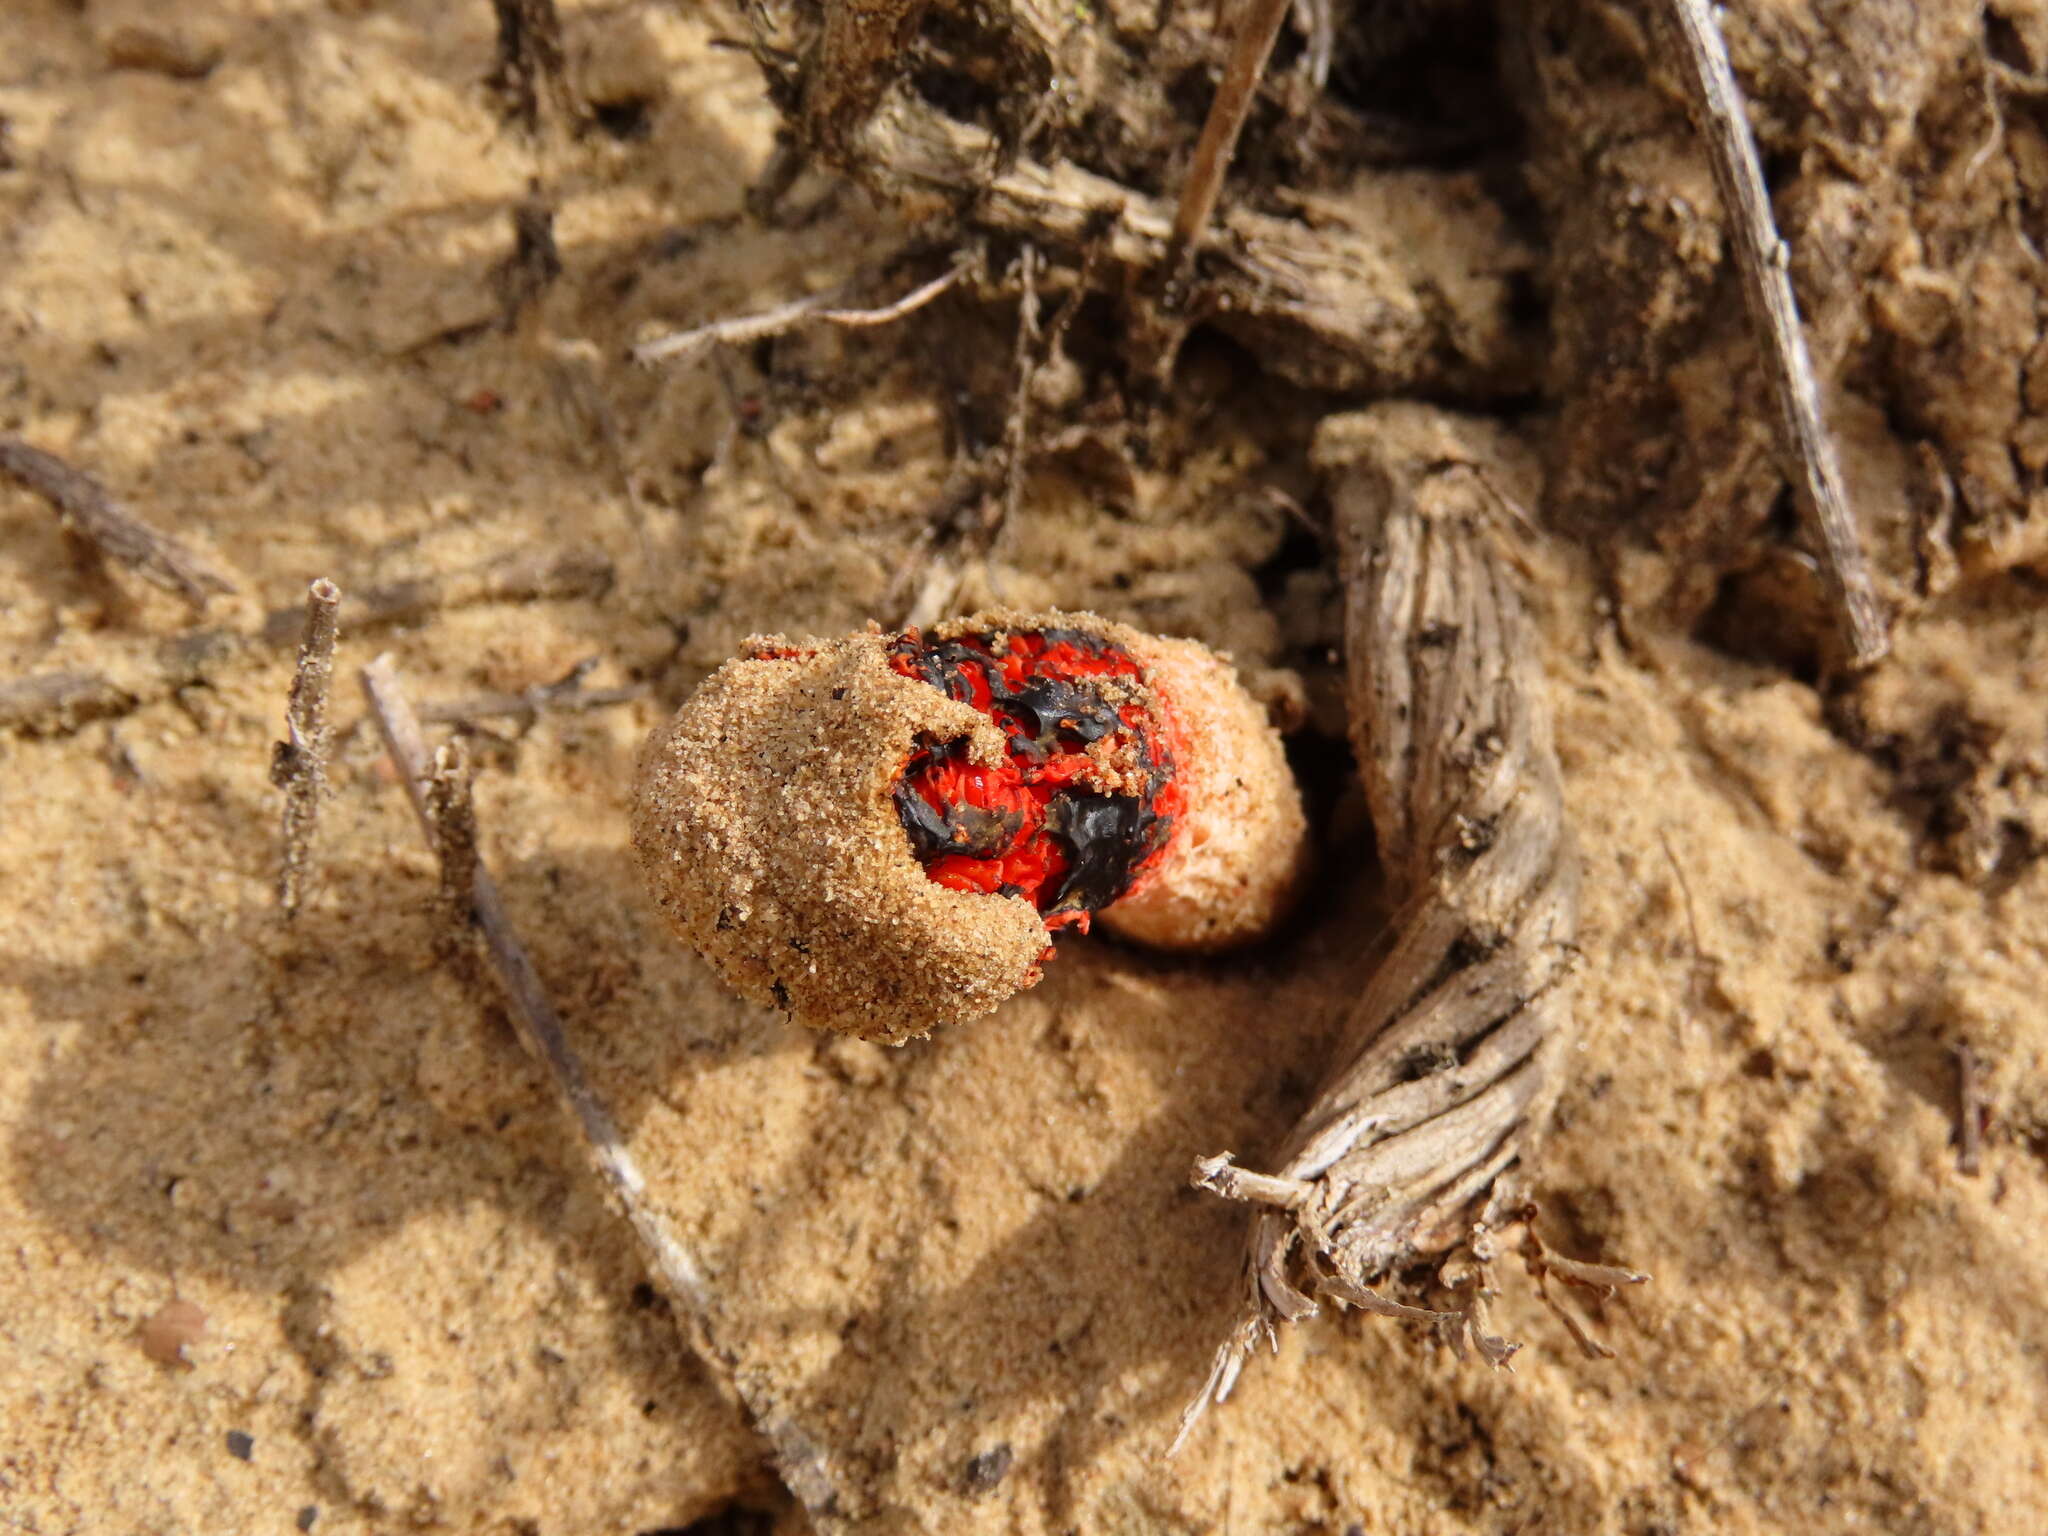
<point>1448,1063</point>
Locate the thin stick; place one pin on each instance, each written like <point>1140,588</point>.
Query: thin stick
<point>110,528</point>
<point>63,701</point>
<point>522,577</point>
<point>787,317</point>
<point>1969,1112</point>
<point>1258,26</point>
<point>1017,432</point>
<point>60,701</point>
<point>565,693</point>
<point>539,1026</point>
<point>298,764</point>
<point>1806,450</point>
<point>451,807</point>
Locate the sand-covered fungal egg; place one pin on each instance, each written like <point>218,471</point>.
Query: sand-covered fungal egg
<point>881,833</point>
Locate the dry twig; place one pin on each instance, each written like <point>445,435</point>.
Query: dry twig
<point>110,528</point>
<point>1447,1065</point>
<point>530,268</point>
<point>1805,449</point>
<point>298,764</point>
<point>539,1026</point>
<point>1258,25</point>
<point>530,61</point>
<point>739,329</point>
<point>566,694</point>
<point>451,814</point>
<point>544,575</point>
<point>1971,1112</point>
<point>1601,1279</point>
<point>438,789</point>
<point>63,701</point>
<point>1017,430</point>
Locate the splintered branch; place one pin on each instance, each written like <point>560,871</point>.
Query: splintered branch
<point>739,329</point>
<point>298,764</point>
<point>1602,1279</point>
<point>1258,24</point>
<point>539,1026</point>
<point>1805,448</point>
<point>111,529</point>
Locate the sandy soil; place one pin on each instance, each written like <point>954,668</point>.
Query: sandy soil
<point>246,256</point>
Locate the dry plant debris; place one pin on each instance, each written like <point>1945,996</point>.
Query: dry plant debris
<point>439,790</point>
<point>109,528</point>
<point>1453,1055</point>
<point>59,702</point>
<point>298,764</point>
<point>1804,442</point>
<point>1337,291</point>
<point>737,330</point>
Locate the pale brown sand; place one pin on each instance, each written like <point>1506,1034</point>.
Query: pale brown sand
<point>970,1254</point>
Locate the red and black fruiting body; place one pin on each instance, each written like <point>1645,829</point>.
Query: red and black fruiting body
<point>1052,823</point>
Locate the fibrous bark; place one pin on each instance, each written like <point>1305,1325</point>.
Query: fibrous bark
<point>1448,1063</point>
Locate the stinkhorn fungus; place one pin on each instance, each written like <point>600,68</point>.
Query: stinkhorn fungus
<point>881,833</point>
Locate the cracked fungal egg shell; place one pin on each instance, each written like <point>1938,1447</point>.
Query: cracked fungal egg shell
<point>878,834</point>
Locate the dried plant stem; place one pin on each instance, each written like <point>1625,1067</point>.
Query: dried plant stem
<point>1805,448</point>
<point>438,788</point>
<point>298,764</point>
<point>539,1026</point>
<point>1446,1066</point>
<point>566,694</point>
<point>62,701</point>
<point>1258,24</point>
<point>1017,430</point>
<point>1970,1112</point>
<point>544,575</point>
<point>1340,304</point>
<point>451,812</point>
<point>738,329</point>
<point>110,528</point>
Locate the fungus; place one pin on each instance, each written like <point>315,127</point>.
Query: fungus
<point>881,833</point>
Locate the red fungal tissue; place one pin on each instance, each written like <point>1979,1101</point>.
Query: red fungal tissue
<point>1082,808</point>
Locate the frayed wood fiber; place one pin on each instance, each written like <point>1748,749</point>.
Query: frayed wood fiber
<point>1448,1064</point>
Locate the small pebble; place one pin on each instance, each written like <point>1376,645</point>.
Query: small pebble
<point>174,1325</point>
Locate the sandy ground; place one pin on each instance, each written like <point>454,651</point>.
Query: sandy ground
<point>245,276</point>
